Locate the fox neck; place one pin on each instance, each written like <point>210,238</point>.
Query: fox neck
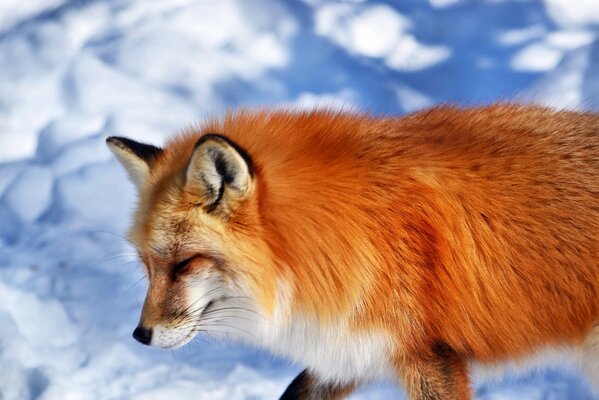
<point>322,281</point>
<point>332,349</point>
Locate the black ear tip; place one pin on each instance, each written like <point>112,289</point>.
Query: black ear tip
<point>146,152</point>
<point>120,141</point>
<point>117,139</point>
<point>211,136</point>
<point>224,139</point>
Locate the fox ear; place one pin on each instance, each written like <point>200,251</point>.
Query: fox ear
<point>219,172</point>
<point>135,157</point>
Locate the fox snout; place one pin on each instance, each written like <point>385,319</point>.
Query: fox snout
<point>143,335</point>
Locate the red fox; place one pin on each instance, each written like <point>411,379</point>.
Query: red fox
<point>418,248</point>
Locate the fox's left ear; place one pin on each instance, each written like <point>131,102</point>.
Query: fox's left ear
<point>135,157</point>
<point>219,172</point>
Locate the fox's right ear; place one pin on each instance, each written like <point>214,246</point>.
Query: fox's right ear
<point>134,156</point>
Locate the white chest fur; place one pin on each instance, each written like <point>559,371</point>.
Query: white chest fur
<point>332,351</point>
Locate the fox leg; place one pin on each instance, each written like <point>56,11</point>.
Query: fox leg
<point>442,375</point>
<point>306,387</point>
<point>590,358</point>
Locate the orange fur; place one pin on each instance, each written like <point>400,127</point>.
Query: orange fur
<point>476,228</point>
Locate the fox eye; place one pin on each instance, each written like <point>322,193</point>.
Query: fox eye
<point>180,266</point>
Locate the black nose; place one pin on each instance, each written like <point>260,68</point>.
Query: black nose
<point>142,335</point>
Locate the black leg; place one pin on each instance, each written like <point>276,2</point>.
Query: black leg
<point>307,387</point>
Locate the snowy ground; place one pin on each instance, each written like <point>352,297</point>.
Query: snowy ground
<point>73,72</point>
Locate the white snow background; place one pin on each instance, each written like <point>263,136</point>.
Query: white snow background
<point>75,71</point>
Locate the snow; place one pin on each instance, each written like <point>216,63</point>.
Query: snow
<point>377,31</point>
<point>13,12</point>
<point>584,13</point>
<point>371,31</point>
<point>75,72</point>
<point>30,193</point>
<point>536,57</point>
<point>572,84</point>
<point>444,3</point>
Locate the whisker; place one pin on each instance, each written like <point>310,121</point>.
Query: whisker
<point>202,324</point>
<point>222,313</point>
<point>185,310</point>
<point>225,332</point>
<point>237,308</point>
<point>201,339</point>
<point>113,255</point>
<point>110,233</point>
<point>223,316</point>
<point>240,306</point>
<point>209,328</point>
<point>136,283</point>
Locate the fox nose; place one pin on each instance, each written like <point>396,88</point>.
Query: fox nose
<point>143,335</point>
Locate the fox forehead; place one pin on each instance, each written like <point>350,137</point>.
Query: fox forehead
<point>166,226</point>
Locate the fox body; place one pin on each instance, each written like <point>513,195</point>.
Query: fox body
<point>416,248</point>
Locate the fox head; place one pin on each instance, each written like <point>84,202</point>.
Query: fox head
<point>197,233</point>
<point>238,225</point>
